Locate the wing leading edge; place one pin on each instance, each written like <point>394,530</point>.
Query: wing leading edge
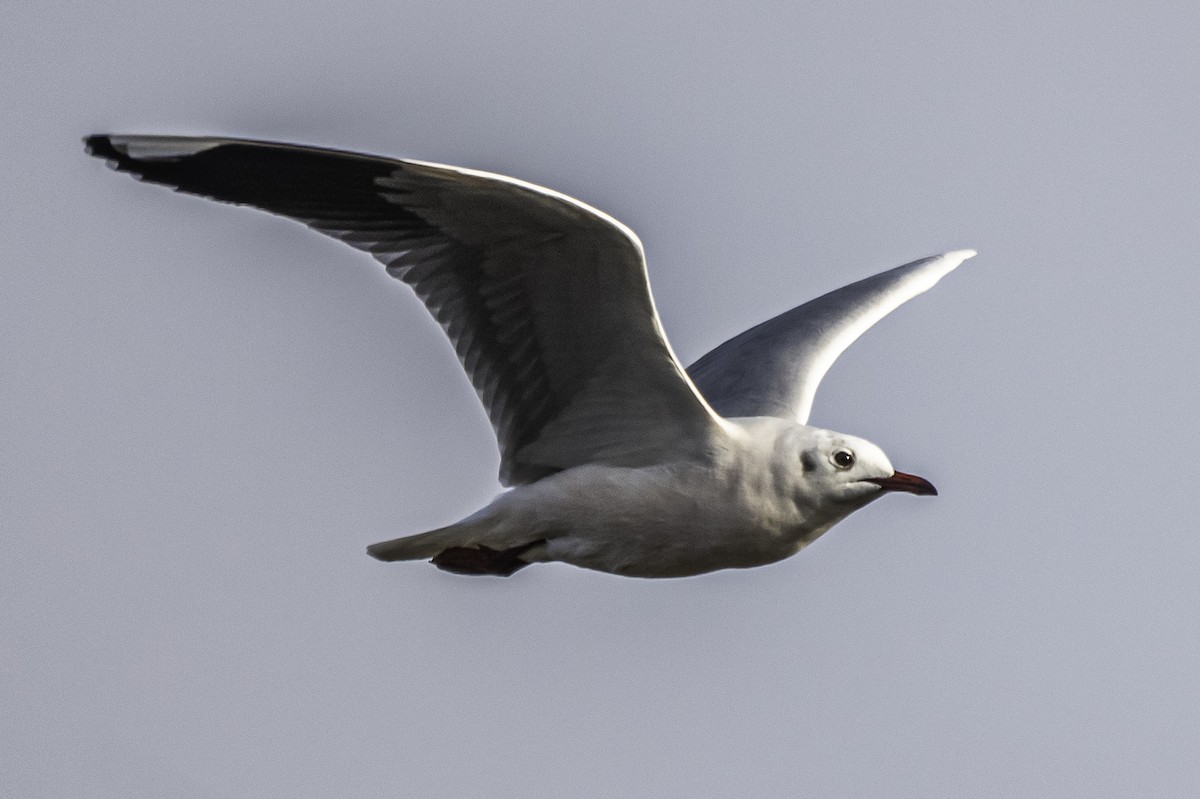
<point>545,299</point>
<point>773,369</point>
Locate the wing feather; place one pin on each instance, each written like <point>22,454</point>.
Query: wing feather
<point>773,369</point>
<point>545,299</point>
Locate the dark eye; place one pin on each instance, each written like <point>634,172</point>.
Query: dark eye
<point>843,458</point>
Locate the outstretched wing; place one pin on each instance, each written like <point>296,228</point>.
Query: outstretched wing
<point>545,299</point>
<point>774,369</point>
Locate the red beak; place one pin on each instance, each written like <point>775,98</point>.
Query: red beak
<point>905,482</point>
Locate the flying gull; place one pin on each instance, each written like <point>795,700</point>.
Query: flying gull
<point>617,458</point>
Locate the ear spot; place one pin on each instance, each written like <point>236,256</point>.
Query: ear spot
<point>807,461</point>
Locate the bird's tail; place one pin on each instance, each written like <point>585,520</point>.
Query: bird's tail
<point>422,546</point>
<point>458,549</point>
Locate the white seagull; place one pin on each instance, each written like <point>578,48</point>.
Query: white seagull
<point>618,458</point>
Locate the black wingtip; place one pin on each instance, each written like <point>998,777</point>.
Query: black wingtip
<point>101,146</point>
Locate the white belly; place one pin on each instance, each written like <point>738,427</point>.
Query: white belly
<point>662,521</point>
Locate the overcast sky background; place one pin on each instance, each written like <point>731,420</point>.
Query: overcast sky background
<point>207,413</point>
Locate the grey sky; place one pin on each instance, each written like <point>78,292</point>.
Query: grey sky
<point>207,413</point>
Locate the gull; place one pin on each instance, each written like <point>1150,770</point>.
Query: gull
<point>615,457</point>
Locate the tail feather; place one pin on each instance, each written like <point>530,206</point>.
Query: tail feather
<point>421,546</point>
<point>480,530</point>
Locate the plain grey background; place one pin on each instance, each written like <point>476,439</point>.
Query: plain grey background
<point>208,413</point>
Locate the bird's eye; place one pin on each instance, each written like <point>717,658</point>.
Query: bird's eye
<point>843,458</point>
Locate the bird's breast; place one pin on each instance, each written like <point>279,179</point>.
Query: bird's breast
<point>668,520</point>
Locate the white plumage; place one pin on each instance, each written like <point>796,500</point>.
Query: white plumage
<point>620,460</point>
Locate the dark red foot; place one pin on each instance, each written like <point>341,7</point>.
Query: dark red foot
<point>483,560</point>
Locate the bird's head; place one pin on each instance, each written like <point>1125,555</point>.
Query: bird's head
<point>838,469</point>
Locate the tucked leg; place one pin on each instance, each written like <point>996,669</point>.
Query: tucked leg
<point>483,560</point>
